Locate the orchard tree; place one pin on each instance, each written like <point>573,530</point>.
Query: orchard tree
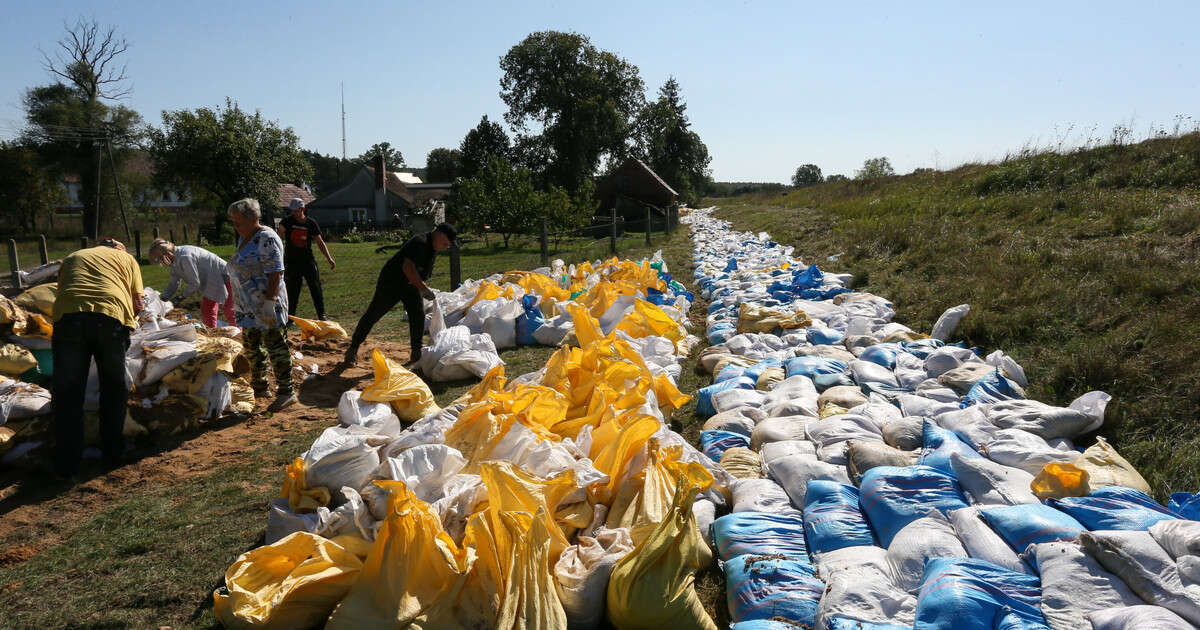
<point>486,141</point>
<point>806,175</point>
<point>500,197</point>
<point>580,100</point>
<point>229,153</point>
<point>392,158</point>
<point>443,165</point>
<point>668,145</point>
<point>837,177</point>
<point>875,168</point>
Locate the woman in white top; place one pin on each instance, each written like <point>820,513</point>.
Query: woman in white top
<point>197,269</point>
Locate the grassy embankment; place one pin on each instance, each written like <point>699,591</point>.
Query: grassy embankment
<point>153,558</point>
<point>1083,267</point>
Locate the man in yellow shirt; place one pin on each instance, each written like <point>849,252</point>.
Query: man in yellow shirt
<point>99,298</point>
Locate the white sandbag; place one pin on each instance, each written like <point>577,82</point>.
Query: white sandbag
<point>1093,404</point>
<point>988,483</point>
<point>835,454</point>
<point>778,430</point>
<point>340,457</point>
<point>282,522</point>
<point>1178,537</point>
<point>23,400</point>
<point>464,494</point>
<point>961,378</point>
<point>793,407</point>
<point>1074,584</point>
<point>425,469</point>
<point>553,331</point>
<point>456,354</point>
<point>161,357</point>
<point>794,473</point>
<point>217,395</point>
<point>1143,617</point>
<point>948,322</point>
<point>947,358</point>
<point>970,423</point>
<point>582,572</point>
<point>842,428</point>
<point>866,595</point>
<point>863,455</point>
<point>982,542</point>
<point>923,406</point>
<point>353,518</point>
<point>905,434</point>
<point>1046,421</point>
<point>741,420</point>
<point>762,495</point>
<point>867,372</point>
<point>501,326</point>
<point>772,451</point>
<point>1024,450</point>
<point>352,410</point>
<point>705,512</point>
<point>878,411</point>
<point>932,389</point>
<point>1146,568</point>
<point>844,396</point>
<point>734,398</point>
<point>931,536</point>
<point>857,558</point>
<point>1008,367</point>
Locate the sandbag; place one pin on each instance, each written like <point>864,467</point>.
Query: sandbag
<point>1024,450</point>
<point>772,451</point>
<point>969,594</point>
<point>769,378</point>
<point>1038,418</point>
<point>340,458</point>
<point>1074,584</point>
<point>941,445</point>
<point>1178,537</point>
<point>948,321</point>
<point>842,428</point>
<point>734,398</point>
<point>582,572</point>
<point>1146,568</point>
<point>833,519</point>
<point>742,463</point>
<point>863,455</point>
<point>963,377</point>
<point>318,329</point>
<point>704,397</point>
<point>1143,617</point>
<point>40,298</point>
<point>1106,467</point>
<point>16,360</point>
<point>905,433</point>
<point>22,400</point>
<point>812,366</point>
<point>770,588</point>
<point>794,473</point>
<point>988,483</point>
<point>714,443</point>
<point>352,410</point>
<point>408,395</point>
<point>761,495</point>
<point>928,537</point>
<point>867,372</point>
<point>293,583</point>
<point>992,389</point>
<point>894,497</point>
<point>1058,480</point>
<point>759,533</point>
<point>1024,525</point>
<point>1114,507</point>
<point>734,421</point>
<point>778,430</point>
<point>845,396</point>
<point>425,469</point>
<point>982,542</point>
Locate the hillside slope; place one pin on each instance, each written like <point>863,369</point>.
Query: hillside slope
<point>1083,267</point>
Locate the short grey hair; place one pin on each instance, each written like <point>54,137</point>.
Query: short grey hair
<point>247,208</point>
<point>159,247</point>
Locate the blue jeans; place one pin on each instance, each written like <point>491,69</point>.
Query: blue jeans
<point>79,338</point>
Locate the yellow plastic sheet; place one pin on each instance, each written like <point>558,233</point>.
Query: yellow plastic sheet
<point>294,583</point>
<point>652,588</point>
<point>16,359</point>
<point>1060,479</point>
<point>301,498</point>
<point>408,395</point>
<point>319,329</point>
<point>648,319</point>
<point>40,298</point>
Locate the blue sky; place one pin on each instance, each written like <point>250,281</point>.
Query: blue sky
<point>769,85</point>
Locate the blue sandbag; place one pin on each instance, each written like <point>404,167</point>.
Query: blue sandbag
<point>939,444</point>
<point>832,518</point>
<point>824,336</point>
<point>756,370</point>
<point>824,381</point>
<point>731,265</point>
<point>728,372</point>
<point>812,366</point>
<point>1186,505</point>
<point>992,388</point>
<point>846,623</point>
<point>880,354</point>
<point>704,404</point>
<point>762,624</point>
<point>714,443</point>
<point>766,587</point>
<point>810,278</point>
<point>892,497</point>
<point>891,393</point>
<point>1114,507</point>
<point>922,348</point>
<point>972,594</point>
<point>529,321</point>
<point>759,533</point>
<point>1028,524</point>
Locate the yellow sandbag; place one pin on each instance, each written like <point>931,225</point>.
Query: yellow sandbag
<point>406,392</point>
<point>301,498</point>
<point>228,349</point>
<point>493,381</point>
<point>646,319</point>
<point>831,409</point>
<point>769,377</point>
<point>413,574</point>
<point>1106,467</point>
<point>10,313</point>
<point>192,375</point>
<point>512,578</point>
<point>742,463</point>
<point>511,489</point>
<point>652,587</point>
<point>39,298</point>
<point>644,501</point>
<point>293,583</point>
<point>753,318</point>
<point>16,360</point>
<point>318,329</point>
<point>1060,479</point>
<point>35,326</point>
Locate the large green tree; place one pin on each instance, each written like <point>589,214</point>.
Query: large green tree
<point>806,175</point>
<point>499,199</point>
<point>328,171</point>
<point>228,152</point>
<point>571,103</point>
<point>443,165</point>
<point>486,141</point>
<point>875,168</point>
<point>668,145</point>
<point>27,191</point>
<point>392,158</point>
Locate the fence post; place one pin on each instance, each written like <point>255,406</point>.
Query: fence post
<point>171,235</point>
<point>455,268</point>
<point>648,225</point>
<point>185,234</point>
<point>156,232</point>
<point>667,227</point>
<point>545,239</point>
<point>83,242</point>
<point>42,251</point>
<point>612,231</point>
<point>14,263</point>
<point>137,244</point>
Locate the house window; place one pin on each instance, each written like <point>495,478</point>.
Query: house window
<point>358,215</point>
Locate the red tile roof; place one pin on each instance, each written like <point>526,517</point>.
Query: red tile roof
<point>288,192</point>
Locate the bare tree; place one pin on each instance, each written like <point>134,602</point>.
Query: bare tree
<point>86,57</point>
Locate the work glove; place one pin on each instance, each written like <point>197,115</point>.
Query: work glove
<point>427,293</point>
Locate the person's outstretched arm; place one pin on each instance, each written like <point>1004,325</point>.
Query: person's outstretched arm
<point>325,250</point>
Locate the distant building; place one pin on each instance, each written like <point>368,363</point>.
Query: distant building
<point>146,198</point>
<point>377,198</point>
<point>633,187</point>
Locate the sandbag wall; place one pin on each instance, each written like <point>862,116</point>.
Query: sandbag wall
<point>550,500</point>
<point>889,479</point>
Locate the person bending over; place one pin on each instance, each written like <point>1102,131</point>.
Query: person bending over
<point>197,269</point>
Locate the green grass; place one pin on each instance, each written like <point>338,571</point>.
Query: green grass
<point>154,558</point>
<point>1086,275</point>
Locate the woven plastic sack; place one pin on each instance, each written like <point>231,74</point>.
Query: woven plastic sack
<point>40,299</point>
<point>921,540</point>
<point>766,587</point>
<point>16,360</point>
<point>715,443</point>
<point>1114,507</point>
<point>582,572</point>
<point>833,519</point>
<point>1060,479</point>
<point>1106,467</point>
<point>969,594</point>
<point>406,392</point>
<point>1024,525</point>
<point>894,497</point>
<point>318,329</point>
<point>1074,584</point>
<point>759,533</point>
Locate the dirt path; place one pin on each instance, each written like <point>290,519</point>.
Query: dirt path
<point>32,504</point>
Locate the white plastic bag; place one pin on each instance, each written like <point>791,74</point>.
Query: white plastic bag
<point>352,410</point>
<point>948,322</point>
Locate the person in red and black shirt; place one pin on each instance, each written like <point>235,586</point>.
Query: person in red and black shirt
<point>299,232</point>
<point>402,280</point>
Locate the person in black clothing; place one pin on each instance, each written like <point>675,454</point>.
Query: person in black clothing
<point>298,233</point>
<point>403,280</point>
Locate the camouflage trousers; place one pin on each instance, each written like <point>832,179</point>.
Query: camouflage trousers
<point>261,344</point>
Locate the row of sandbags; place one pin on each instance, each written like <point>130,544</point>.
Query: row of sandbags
<point>555,499</point>
<point>889,480</point>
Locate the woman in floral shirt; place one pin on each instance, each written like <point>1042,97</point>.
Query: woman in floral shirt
<point>259,301</point>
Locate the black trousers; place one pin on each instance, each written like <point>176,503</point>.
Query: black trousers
<point>79,338</point>
<point>295,273</point>
<point>392,288</point>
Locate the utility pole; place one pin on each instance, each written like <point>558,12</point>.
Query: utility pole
<point>343,84</point>
<point>112,165</point>
<point>96,217</point>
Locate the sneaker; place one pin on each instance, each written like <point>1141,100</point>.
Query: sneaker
<point>283,402</point>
